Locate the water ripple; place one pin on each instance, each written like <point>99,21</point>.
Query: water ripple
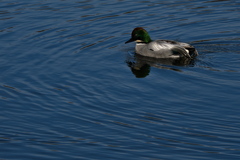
<point>66,91</point>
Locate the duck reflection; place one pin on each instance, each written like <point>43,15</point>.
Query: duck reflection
<point>141,65</point>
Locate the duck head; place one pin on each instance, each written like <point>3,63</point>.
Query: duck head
<point>139,35</point>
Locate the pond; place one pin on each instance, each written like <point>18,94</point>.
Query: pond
<point>70,88</point>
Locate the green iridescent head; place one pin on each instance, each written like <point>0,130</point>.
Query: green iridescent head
<point>140,35</point>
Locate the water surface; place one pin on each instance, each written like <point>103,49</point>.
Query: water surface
<point>67,90</point>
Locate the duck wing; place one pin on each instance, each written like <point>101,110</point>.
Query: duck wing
<point>175,49</point>
<point>192,52</point>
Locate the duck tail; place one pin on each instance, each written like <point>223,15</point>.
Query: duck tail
<point>192,52</point>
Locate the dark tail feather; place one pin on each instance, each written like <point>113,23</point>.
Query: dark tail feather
<point>192,52</point>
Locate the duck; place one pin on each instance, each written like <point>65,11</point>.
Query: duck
<point>145,46</point>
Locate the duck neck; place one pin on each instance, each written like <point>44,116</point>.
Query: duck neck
<point>147,38</point>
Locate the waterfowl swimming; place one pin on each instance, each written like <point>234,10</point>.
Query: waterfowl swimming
<point>145,46</point>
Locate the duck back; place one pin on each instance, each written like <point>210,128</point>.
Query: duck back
<point>166,49</point>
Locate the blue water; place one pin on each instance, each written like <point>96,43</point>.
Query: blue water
<point>70,87</point>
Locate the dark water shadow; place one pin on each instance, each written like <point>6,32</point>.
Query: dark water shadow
<point>141,65</point>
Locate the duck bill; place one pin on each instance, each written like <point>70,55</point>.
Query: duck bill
<point>130,40</point>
